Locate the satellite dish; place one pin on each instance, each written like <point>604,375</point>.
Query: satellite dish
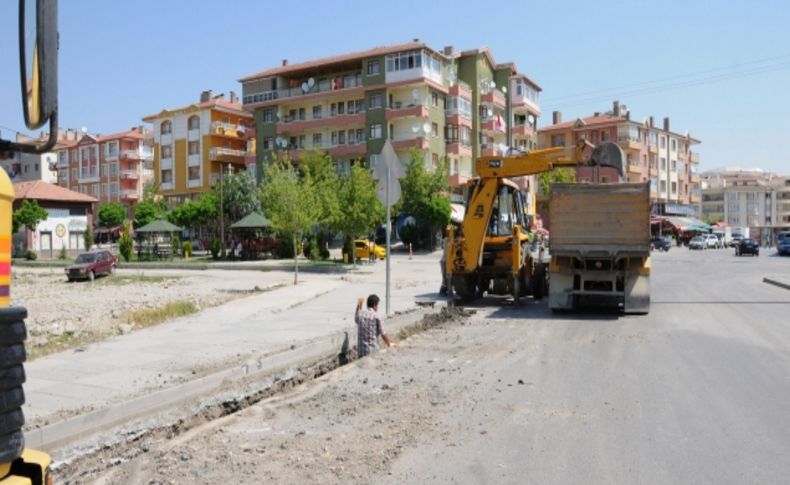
<point>310,82</point>
<point>415,127</point>
<point>426,128</point>
<point>305,87</point>
<point>278,115</point>
<point>504,89</point>
<point>84,129</point>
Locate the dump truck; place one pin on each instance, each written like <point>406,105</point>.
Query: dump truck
<point>600,246</point>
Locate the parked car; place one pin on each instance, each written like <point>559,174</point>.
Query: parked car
<point>783,248</point>
<point>363,248</point>
<point>711,241</point>
<point>89,265</point>
<point>697,242</point>
<point>747,246</point>
<point>661,243</point>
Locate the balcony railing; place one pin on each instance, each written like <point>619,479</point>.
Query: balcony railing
<point>213,153</point>
<point>137,154</point>
<point>89,173</point>
<point>336,84</point>
<point>130,194</point>
<point>130,174</point>
<point>111,155</point>
<point>222,128</point>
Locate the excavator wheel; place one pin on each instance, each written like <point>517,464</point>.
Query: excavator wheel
<point>465,287</point>
<point>539,282</point>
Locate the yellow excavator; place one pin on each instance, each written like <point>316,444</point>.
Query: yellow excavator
<point>491,252</point>
<point>38,50</point>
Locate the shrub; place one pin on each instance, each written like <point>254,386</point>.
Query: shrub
<point>88,236</point>
<point>321,241</point>
<point>311,247</point>
<point>215,248</point>
<point>125,243</point>
<point>176,244</point>
<point>286,247</point>
<point>63,254</point>
<point>409,234</point>
<point>30,255</point>
<point>187,249</point>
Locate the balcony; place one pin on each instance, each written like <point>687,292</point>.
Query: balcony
<point>299,126</point>
<point>653,148</point>
<point>229,130</point>
<point>493,125</point>
<point>694,157</point>
<point>148,138</point>
<point>130,195</point>
<point>137,154</point>
<point>129,175</point>
<point>522,130</point>
<point>634,168</point>
<point>457,148</point>
<point>461,89</point>
<point>695,179</point>
<point>227,154</point>
<point>524,102</point>
<point>495,97</point>
<point>405,141</point>
<point>404,110</point>
<point>340,85</point>
<point>62,164</point>
<point>629,143</point>
<point>109,156</point>
<point>89,173</point>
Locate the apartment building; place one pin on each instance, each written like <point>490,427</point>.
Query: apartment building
<point>747,198</point>
<point>111,168</point>
<point>195,144</point>
<point>655,154</point>
<point>447,104</point>
<point>28,167</point>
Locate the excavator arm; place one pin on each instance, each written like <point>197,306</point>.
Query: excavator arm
<point>531,163</point>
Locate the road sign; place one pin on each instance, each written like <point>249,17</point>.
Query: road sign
<point>389,167</point>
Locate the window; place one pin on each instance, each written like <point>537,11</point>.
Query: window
<point>334,138</point>
<point>317,139</point>
<point>317,112</point>
<point>112,148</point>
<point>35,167</point>
<point>434,160</point>
<point>194,147</point>
<point>673,165</point>
<point>652,138</point>
<point>268,115</point>
<point>350,107</point>
<point>404,60</point>
<point>434,129</point>
<point>558,140</point>
<point>333,110</point>
<point>376,100</point>
<point>604,135</point>
<point>341,108</point>
<point>451,133</point>
<point>302,115</point>
<point>373,161</point>
<point>166,128</point>
<point>663,186</point>
<point>341,138</point>
<point>375,131</point>
<point>360,105</point>
<point>663,141</point>
<point>434,99</point>
<point>167,151</point>
<point>194,122</point>
<point>301,142</point>
<point>374,67</point>
<point>663,163</point>
<point>360,135</point>
<point>114,169</point>
<point>105,190</point>
<point>673,144</point>
<point>76,240</point>
<point>114,188</point>
<point>194,173</point>
<point>73,174</point>
<point>352,137</point>
<point>167,176</point>
<point>674,187</point>
<point>268,143</point>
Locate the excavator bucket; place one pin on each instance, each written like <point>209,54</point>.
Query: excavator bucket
<point>608,154</point>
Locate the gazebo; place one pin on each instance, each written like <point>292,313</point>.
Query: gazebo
<point>250,232</point>
<point>155,239</point>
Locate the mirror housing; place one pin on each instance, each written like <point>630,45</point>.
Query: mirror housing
<point>38,68</point>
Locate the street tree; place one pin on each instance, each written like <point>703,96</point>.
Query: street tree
<point>239,196</point>
<point>146,212</point>
<point>321,169</point>
<point>199,213</point>
<point>289,201</point>
<point>112,214</point>
<point>360,210</point>
<point>425,193</point>
<point>559,175</point>
<point>28,215</point>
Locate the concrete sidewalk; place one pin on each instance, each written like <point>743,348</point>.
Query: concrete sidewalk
<point>155,358</point>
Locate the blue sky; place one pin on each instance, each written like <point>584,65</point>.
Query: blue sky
<point>120,61</point>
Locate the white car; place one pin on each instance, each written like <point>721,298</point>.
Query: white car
<point>711,241</point>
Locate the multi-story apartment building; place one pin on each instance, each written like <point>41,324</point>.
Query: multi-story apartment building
<point>747,198</point>
<point>111,168</point>
<point>653,154</point>
<point>446,104</point>
<point>193,145</point>
<point>27,167</point>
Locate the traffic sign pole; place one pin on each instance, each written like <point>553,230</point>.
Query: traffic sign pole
<point>389,245</point>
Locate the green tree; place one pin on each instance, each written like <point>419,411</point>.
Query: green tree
<point>290,202</point>
<point>112,214</point>
<point>425,194</point>
<point>197,213</point>
<point>125,243</point>
<point>560,175</point>
<point>320,168</point>
<point>88,238</point>
<point>146,211</point>
<point>361,209</point>
<point>28,215</point>
<point>239,196</point>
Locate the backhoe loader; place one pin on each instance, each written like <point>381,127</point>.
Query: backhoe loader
<point>491,251</point>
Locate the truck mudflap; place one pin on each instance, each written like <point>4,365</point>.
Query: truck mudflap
<point>561,292</point>
<point>637,294</point>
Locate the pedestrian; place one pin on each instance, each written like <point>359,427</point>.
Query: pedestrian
<point>369,327</point>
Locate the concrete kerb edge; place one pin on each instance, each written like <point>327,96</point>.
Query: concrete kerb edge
<point>278,366</point>
<point>775,282</point>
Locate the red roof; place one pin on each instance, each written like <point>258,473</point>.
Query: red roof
<point>133,133</point>
<point>215,102</point>
<point>589,121</point>
<point>40,190</point>
<point>376,51</point>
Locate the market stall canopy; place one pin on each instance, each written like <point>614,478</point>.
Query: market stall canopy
<point>252,221</point>
<point>159,225</point>
<point>683,223</point>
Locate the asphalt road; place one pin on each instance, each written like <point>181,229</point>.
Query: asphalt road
<point>698,391</point>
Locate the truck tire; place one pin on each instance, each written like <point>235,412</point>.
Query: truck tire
<point>539,282</point>
<point>517,290</point>
<point>13,333</point>
<point>11,377</point>
<point>12,355</point>
<point>11,421</point>
<point>11,399</point>
<point>11,446</point>
<point>465,287</point>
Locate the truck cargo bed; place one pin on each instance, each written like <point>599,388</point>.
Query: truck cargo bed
<point>600,219</point>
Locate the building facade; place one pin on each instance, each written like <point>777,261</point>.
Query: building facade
<point>195,144</point>
<point>655,154</point>
<point>27,167</point>
<point>747,198</point>
<point>112,168</point>
<point>448,105</point>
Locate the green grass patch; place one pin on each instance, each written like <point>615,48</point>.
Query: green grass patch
<point>153,316</point>
<point>55,343</point>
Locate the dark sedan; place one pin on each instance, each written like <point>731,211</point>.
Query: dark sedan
<point>747,246</point>
<point>661,243</point>
<point>783,248</point>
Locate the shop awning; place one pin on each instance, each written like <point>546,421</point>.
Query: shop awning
<point>682,224</point>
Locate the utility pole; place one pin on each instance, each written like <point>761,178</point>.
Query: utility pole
<point>221,210</point>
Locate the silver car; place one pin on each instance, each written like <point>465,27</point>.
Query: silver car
<point>697,242</point>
